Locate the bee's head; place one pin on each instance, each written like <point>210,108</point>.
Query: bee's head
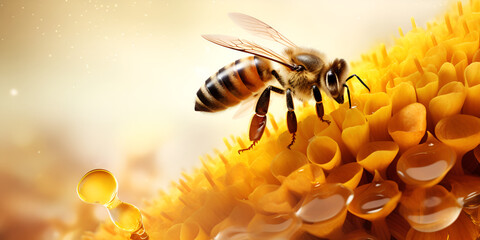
<point>335,78</point>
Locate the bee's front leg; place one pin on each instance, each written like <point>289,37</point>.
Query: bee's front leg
<point>319,105</point>
<point>259,120</point>
<point>291,117</point>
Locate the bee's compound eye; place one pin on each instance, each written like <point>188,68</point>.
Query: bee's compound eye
<point>331,79</point>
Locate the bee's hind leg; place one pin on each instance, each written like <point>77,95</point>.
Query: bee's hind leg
<point>291,117</point>
<point>319,105</point>
<point>248,148</point>
<point>259,120</point>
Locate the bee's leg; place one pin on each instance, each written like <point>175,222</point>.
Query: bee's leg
<point>277,76</point>
<point>291,117</point>
<point>259,120</point>
<point>319,105</point>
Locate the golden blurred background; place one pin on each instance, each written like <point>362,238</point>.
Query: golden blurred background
<point>109,84</point>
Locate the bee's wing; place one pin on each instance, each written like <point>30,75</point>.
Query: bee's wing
<point>247,107</point>
<point>260,28</point>
<point>248,47</point>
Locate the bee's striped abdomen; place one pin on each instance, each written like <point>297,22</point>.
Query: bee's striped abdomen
<point>232,84</point>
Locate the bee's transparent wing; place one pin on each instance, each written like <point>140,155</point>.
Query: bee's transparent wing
<point>246,108</point>
<point>260,28</point>
<point>248,47</point>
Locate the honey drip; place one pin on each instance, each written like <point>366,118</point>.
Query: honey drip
<point>429,209</point>
<point>426,164</point>
<point>99,186</point>
<point>324,210</point>
<point>374,202</point>
<point>467,189</point>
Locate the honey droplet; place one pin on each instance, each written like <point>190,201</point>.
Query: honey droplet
<point>301,180</point>
<point>461,132</point>
<point>375,200</point>
<point>467,189</point>
<point>325,208</point>
<point>269,198</point>
<point>276,226</point>
<point>99,186</point>
<point>425,164</point>
<point>126,216</point>
<point>286,162</point>
<point>374,204</point>
<point>235,225</point>
<point>430,209</point>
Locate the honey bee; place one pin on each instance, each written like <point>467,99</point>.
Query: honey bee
<point>301,72</point>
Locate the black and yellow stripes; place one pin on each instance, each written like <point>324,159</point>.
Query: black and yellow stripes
<point>232,84</point>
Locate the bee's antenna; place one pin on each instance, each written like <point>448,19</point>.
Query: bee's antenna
<point>359,79</point>
<point>348,94</point>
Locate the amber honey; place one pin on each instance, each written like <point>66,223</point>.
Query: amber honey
<point>99,186</point>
